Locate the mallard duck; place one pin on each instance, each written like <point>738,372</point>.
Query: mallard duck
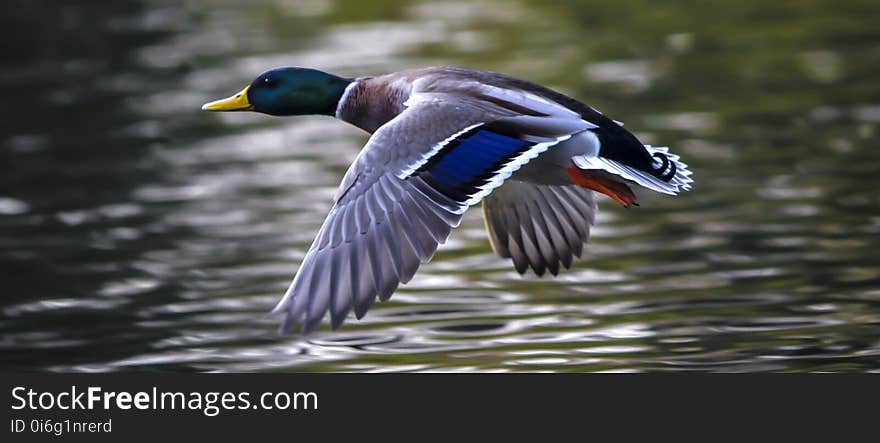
<point>444,139</point>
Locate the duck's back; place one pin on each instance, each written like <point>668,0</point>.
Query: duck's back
<point>616,142</point>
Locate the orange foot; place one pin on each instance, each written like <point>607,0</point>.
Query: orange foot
<point>598,182</point>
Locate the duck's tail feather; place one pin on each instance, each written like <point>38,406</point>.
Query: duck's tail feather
<point>670,175</point>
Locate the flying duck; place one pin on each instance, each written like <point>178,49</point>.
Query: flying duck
<point>444,139</point>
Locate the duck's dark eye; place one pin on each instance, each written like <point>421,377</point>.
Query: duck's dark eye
<point>269,82</point>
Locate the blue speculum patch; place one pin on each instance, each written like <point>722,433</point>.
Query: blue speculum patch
<point>469,161</point>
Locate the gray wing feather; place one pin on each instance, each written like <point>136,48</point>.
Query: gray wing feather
<point>350,265</point>
<point>539,226</point>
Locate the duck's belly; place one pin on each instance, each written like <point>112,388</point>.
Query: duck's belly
<point>549,167</point>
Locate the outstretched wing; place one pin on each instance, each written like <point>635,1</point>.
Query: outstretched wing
<point>406,190</point>
<point>539,226</point>
<point>373,239</point>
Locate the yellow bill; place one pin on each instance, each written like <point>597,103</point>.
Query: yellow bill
<point>238,102</point>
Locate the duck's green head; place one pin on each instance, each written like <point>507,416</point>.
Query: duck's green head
<point>287,91</point>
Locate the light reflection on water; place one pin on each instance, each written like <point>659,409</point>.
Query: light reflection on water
<point>140,233</point>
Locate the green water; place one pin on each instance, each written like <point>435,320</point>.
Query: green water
<point>137,232</point>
